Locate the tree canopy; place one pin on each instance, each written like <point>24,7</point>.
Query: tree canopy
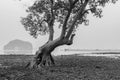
<point>43,15</point>
<point>69,14</point>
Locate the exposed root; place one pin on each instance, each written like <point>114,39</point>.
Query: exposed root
<point>41,61</point>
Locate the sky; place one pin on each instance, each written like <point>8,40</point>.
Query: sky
<point>101,33</point>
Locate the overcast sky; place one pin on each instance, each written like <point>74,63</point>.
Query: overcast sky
<point>100,34</point>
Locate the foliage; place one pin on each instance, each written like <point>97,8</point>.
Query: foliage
<point>43,13</point>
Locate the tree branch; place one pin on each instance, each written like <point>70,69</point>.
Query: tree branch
<point>79,14</point>
<point>71,2</point>
<point>87,10</point>
<point>71,40</point>
<point>51,33</point>
<point>67,17</point>
<point>64,24</point>
<point>75,2</point>
<point>51,22</point>
<point>81,1</point>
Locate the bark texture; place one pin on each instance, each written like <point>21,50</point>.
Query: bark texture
<point>43,56</point>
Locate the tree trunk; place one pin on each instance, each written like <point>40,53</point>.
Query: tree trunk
<point>43,56</point>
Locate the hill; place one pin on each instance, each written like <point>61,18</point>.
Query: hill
<point>18,47</point>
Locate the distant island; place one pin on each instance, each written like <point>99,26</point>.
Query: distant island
<point>18,47</point>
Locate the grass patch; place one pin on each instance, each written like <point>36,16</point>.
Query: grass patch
<point>68,67</point>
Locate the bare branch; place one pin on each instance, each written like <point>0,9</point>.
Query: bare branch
<point>51,22</point>
<point>79,14</point>
<point>51,33</point>
<point>81,1</point>
<point>71,40</point>
<point>75,2</point>
<point>71,2</point>
<point>87,11</point>
<point>65,24</point>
